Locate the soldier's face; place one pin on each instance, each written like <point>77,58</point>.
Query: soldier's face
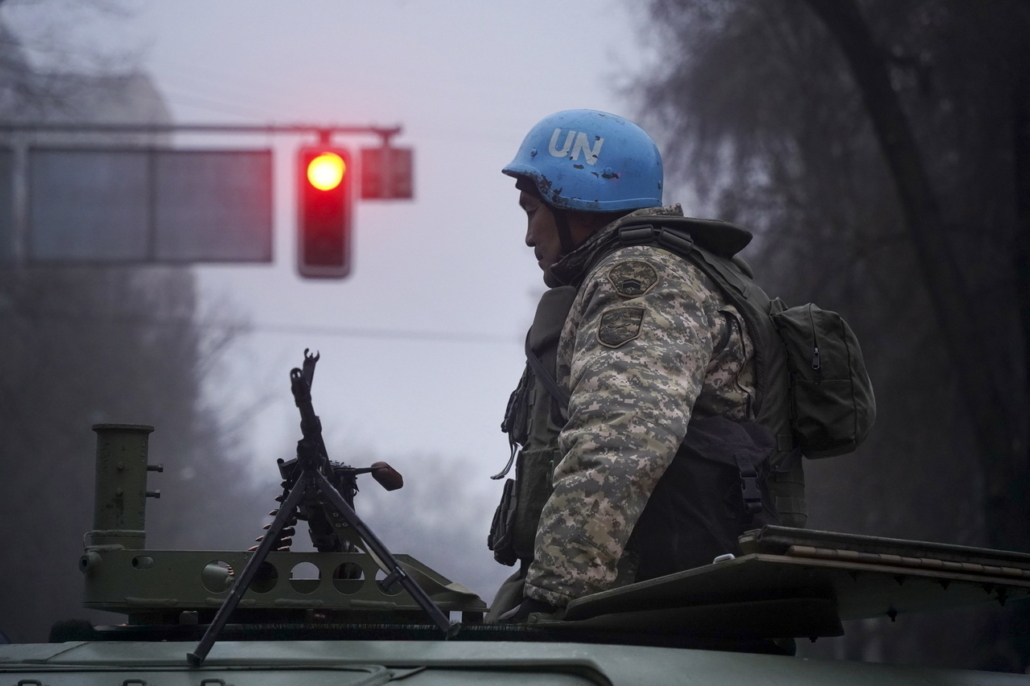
<point>541,233</point>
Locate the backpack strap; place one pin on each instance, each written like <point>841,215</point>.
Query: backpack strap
<point>683,244</point>
<point>712,247</point>
<point>749,490</point>
<point>678,242</point>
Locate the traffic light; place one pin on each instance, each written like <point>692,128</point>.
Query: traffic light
<point>386,173</point>
<point>324,223</point>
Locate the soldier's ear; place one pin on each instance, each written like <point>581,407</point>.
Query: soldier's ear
<point>585,224</point>
<point>526,185</point>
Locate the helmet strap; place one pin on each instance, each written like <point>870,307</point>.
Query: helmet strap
<point>561,221</point>
<point>561,217</point>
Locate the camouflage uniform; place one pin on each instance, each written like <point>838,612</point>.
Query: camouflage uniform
<point>649,341</point>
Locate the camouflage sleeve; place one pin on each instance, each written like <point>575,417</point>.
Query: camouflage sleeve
<point>641,337</point>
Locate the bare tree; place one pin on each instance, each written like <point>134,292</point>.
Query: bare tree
<point>83,345</point>
<point>881,179</point>
<point>1003,459</point>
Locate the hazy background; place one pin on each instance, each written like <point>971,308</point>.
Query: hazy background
<point>422,344</point>
<point>466,81</point>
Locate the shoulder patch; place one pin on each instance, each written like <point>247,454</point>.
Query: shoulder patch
<point>620,325</point>
<point>632,278</point>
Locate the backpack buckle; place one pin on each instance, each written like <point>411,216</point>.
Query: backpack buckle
<point>749,484</point>
<point>636,235</point>
<point>641,234</point>
<point>676,242</point>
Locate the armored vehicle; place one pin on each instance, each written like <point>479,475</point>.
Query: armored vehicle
<point>364,616</point>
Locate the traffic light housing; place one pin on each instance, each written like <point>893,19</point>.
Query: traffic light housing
<point>325,201</point>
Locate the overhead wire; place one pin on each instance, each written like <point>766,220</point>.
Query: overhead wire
<point>243,327</point>
<point>222,107</point>
<point>385,334</point>
<point>190,83</point>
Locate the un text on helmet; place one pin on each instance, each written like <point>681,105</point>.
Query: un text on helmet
<point>579,142</point>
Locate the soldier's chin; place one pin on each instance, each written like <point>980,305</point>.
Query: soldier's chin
<point>550,280</point>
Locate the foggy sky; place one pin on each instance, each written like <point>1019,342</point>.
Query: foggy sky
<point>466,80</point>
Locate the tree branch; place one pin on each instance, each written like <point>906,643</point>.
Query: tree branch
<point>994,428</point>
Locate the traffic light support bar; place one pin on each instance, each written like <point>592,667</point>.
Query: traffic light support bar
<point>324,132</point>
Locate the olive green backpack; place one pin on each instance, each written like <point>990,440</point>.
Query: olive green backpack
<point>813,392</point>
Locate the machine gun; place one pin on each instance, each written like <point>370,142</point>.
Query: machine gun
<point>321,492</point>
<point>327,530</point>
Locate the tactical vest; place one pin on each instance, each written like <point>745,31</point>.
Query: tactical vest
<point>802,410</point>
<point>533,422</point>
<point>685,237</point>
<point>812,389</point>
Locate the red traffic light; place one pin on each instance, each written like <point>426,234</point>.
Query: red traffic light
<point>326,171</point>
<point>324,200</point>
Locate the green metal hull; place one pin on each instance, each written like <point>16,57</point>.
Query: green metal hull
<point>419,663</point>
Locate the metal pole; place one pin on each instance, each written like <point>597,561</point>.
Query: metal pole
<point>383,132</point>
<point>199,654</point>
<point>374,547</point>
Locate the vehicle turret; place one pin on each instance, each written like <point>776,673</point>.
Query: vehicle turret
<point>352,612</point>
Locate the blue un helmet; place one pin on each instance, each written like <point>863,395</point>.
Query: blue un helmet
<point>590,161</point>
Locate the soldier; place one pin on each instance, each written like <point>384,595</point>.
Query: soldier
<point>639,391</point>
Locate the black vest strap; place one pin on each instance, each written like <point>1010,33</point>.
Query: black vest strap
<point>546,378</point>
